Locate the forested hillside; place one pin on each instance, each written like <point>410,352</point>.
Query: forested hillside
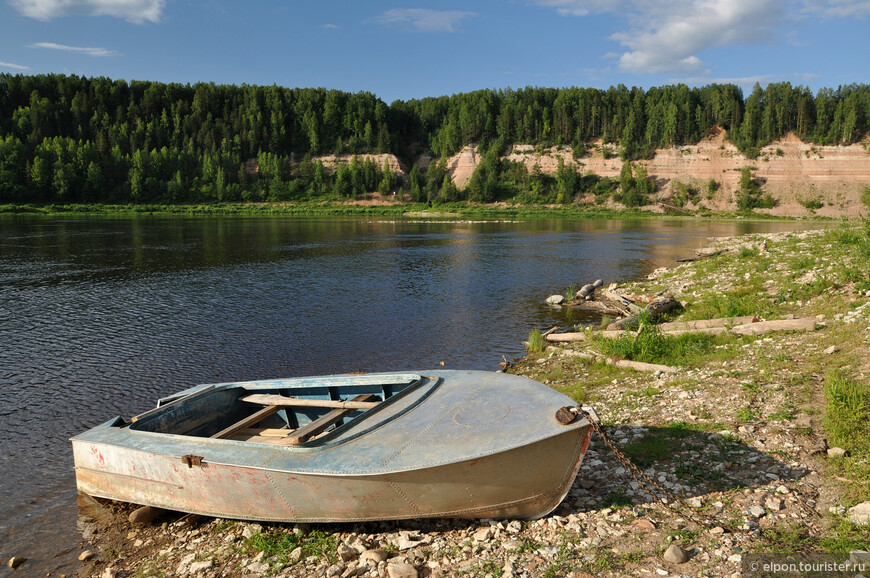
<point>76,139</point>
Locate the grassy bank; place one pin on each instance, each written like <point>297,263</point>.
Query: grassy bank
<point>342,208</point>
<point>788,396</point>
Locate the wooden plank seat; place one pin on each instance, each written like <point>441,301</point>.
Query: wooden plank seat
<point>244,429</point>
<point>249,421</point>
<point>285,401</point>
<point>317,426</point>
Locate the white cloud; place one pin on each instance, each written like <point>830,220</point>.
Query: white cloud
<point>137,11</point>
<point>330,26</point>
<point>13,66</point>
<point>667,36</point>
<point>583,7</point>
<point>671,40</point>
<point>79,49</point>
<point>806,76</point>
<point>744,81</point>
<point>837,8</point>
<point>424,20</point>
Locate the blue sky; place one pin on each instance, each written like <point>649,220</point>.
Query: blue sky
<point>400,50</point>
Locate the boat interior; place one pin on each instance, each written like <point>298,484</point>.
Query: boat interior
<point>281,412</point>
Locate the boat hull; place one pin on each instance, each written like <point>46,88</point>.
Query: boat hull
<point>526,482</point>
<point>450,445</point>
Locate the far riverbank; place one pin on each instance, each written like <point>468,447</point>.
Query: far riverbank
<point>391,209</point>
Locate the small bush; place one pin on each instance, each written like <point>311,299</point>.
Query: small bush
<point>812,205</point>
<point>535,342</point>
<point>651,346</point>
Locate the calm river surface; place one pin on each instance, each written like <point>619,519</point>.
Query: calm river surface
<point>101,316</point>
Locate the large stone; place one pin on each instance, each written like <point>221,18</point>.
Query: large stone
<point>145,515</point>
<point>860,514</point>
<point>555,299</point>
<point>198,567</point>
<point>346,553</point>
<point>251,529</point>
<point>755,511</point>
<point>374,557</point>
<point>860,558</point>
<point>334,570</point>
<point>86,555</point>
<point>16,561</point>
<point>837,452</point>
<point>296,554</point>
<point>483,534</point>
<point>675,555</point>
<point>643,524</point>
<point>401,571</point>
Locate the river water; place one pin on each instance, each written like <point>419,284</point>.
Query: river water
<point>101,316</point>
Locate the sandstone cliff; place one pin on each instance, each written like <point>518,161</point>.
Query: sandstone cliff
<point>793,172</point>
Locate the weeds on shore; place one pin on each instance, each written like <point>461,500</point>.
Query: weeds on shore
<point>847,412</point>
<point>315,543</point>
<point>535,344</point>
<point>652,346</point>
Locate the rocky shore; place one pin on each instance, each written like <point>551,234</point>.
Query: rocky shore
<point>738,433</point>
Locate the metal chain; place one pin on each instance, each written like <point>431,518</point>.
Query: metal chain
<point>643,480</point>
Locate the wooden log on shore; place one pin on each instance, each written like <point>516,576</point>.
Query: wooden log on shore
<point>704,323</point>
<point>624,363</point>
<point>641,366</point>
<point>800,324</point>
<point>713,327</point>
<point>566,337</point>
<point>623,301</point>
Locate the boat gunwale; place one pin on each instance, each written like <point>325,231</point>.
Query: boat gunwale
<point>326,441</point>
<point>340,380</point>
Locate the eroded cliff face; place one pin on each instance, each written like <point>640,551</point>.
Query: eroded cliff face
<point>330,161</point>
<point>793,172</point>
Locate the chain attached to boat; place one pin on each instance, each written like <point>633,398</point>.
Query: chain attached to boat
<point>566,415</point>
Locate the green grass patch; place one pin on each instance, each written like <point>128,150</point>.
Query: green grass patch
<point>652,346</point>
<point>747,414</point>
<point>839,537</point>
<point>536,342</point>
<point>280,544</point>
<point>736,303</point>
<point>648,391</point>
<point>847,412</point>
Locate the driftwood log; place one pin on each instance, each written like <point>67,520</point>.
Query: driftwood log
<point>654,310</point>
<point>705,323</point>
<point>750,326</point>
<point>625,363</point>
<point>800,324</point>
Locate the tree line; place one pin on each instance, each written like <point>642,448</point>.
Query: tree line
<point>66,138</point>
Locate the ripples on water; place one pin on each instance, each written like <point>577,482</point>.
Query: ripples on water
<point>100,317</point>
